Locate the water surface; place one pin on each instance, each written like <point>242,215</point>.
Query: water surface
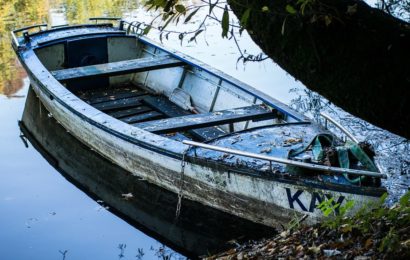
<point>44,216</point>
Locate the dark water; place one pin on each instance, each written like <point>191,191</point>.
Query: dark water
<point>47,210</point>
<point>197,231</point>
<point>42,214</point>
<point>58,199</point>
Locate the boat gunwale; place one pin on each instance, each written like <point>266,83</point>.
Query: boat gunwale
<point>82,36</point>
<point>21,42</point>
<point>289,179</point>
<point>75,26</point>
<point>50,85</point>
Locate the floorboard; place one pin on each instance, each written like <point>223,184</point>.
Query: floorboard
<point>113,97</point>
<point>152,115</point>
<point>118,104</point>
<point>129,112</point>
<point>195,121</point>
<point>105,92</point>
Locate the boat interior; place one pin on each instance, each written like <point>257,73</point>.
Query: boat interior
<point>148,87</point>
<point>167,93</point>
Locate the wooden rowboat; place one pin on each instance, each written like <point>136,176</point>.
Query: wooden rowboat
<point>199,230</point>
<point>190,128</point>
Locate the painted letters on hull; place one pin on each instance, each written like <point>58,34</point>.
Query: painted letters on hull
<point>296,202</point>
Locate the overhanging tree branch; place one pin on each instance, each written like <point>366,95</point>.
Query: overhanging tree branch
<point>354,55</point>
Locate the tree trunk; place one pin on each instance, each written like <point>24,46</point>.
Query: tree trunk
<point>354,55</point>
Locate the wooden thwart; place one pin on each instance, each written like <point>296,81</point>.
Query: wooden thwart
<point>169,109</point>
<point>117,68</point>
<point>184,123</point>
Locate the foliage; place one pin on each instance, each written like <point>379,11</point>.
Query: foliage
<point>376,218</point>
<point>176,12</point>
<point>312,11</point>
<point>14,14</point>
<point>18,13</point>
<point>346,223</point>
<point>328,206</point>
<point>375,231</point>
<point>397,8</point>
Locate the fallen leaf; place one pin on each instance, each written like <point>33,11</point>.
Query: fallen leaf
<point>328,20</point>
<point>314,249</point>
<point>368,244</point>
<point>351,9</point>
<point>346,228</point>
<point>127,196</point>
<point>266,150</point>
<point>406,243</point>
<point>284,233</point>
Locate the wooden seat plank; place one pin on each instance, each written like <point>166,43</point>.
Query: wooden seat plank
<point>117,68</point>
<point>194,121</point>
<point>163,105</point>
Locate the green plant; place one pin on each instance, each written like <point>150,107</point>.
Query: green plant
<point>339,213</point>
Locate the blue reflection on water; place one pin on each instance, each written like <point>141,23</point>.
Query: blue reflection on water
<point>42,215</point>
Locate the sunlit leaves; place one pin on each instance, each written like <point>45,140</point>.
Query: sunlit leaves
<point>304,4</point>
<point>225,22</point>
<point>328,206</point>
<point>245,17</point>
<point>180,9</point>
<point>181,37</point>
<point>211,6</point>
<point>189,17</point>
<point>290,9</point>
<point>193,38</point>
<point>146,30</point>
<point>244,20</point>
<point>351,9</point>
<point>282,31</point>
<point>405,200</point>
<point>343,210</point>
<point>328,20</point>
<point>167,22</point>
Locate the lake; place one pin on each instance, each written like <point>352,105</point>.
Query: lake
<point>47,214</point>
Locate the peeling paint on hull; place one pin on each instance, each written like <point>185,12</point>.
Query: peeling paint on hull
<point>256,199</point>
<point>270,200</point>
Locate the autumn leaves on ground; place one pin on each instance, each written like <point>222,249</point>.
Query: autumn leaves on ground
<point>375,232</point>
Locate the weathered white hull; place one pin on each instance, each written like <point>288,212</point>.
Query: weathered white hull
<point>270,200</point>
<point>257,199</point>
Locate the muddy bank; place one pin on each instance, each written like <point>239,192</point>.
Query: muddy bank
<point>375,232</point>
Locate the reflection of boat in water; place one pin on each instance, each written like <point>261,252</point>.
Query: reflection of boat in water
<point>191,129</point>
<point>197,231</point>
